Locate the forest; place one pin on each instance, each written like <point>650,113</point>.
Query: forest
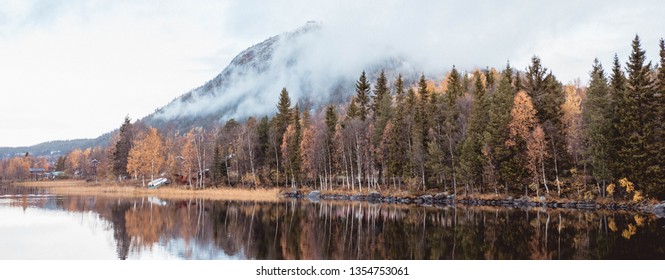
<point>483,132</point>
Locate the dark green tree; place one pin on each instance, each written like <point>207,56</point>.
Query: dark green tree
<point>382,108</point>
<point>362,96</point>
<point>500,164</point>
<point>397,146</point>
<point>597,125</point>
<point>641,110</point>
<point>658,168</point>
<point>452,126</point>
<point>122,148</point>
<point>620,120</point>
<point>471,158</point>
<point>548,96</point>
<point>276,132</point>
<point>218,167</point>
<point>292,152</point>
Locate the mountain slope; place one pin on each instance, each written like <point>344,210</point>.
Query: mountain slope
<point>304,61</point>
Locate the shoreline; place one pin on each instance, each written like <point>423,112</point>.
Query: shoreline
<point>442,199</point>
<point>79,187</point>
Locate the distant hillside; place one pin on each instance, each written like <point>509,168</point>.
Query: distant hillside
<point>55,148</point>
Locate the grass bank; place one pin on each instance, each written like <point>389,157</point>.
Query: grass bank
<point>75,187</point>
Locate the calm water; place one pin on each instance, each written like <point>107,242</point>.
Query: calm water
<point>37,225</point>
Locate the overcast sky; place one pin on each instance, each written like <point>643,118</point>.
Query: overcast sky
<point>75,69</point>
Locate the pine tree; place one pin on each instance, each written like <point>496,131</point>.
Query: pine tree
<point>352,111</point>
<point>380,91</point>
<point>278,127</point>
<point>329,147</point>
<point>283,110</point>
<point>500,166</point>
<point>451,125</point>
<point>620,120</point>
<point>291,147</point>
<point>218,167</point>
<point>597,125</point>
<point>382,108</point>
<point>471,165</point>
<point>640,115</point>
<point>362,96</point>
<point>263,150</point>
<point>658,166</point>
<point>547,95</point>
<point>397,146</point>
<point>122,148</point>
<point>424,108</point>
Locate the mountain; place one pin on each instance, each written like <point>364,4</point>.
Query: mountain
<point>316,65</point>
<point>308,62</point>
<point>55,148</point>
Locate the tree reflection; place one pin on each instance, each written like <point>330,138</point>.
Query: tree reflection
<point>293,229</point>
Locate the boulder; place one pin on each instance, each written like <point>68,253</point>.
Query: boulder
<point>659,209</point>
<point>314,194</point>
<point>374,196</point>
<point>440,196</point>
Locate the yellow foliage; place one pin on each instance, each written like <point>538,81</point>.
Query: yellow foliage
<point>610,189</point>
<point>629,232</point>
<point>628,185</point>
<point>637,197</point>
<point>588,195</point>
<point>612,225</point>
<point>639,220</point>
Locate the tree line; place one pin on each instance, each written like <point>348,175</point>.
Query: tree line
<point>482,132</point>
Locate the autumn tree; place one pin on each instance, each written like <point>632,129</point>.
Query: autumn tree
<point>547,95</point>
<point>526,132</point>
<point>146,157</point>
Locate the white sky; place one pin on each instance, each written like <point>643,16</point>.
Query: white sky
<point>74,69</point>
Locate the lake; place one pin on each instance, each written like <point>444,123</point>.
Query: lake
<point>35,224</point>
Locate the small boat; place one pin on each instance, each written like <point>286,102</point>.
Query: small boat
<point>157,183</point>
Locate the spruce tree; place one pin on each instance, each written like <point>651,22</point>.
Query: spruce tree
<point>547,95</point>
<point>640,113</point>
<point>597,125</point>
<point>620,121</point>
<point>362,96</point>
<point>471,165</point>
<point>451,125</point>
<point>500,168</point>
<point>122,148</point>
<point>658,168</point>
<point>380,91</point>
<point>218,167</point>
<point>293,157</point>
<point>397,147</point>
<point>263,150</point>
<point>424,107</point>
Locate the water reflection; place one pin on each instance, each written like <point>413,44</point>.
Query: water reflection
<point>200,229</point>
